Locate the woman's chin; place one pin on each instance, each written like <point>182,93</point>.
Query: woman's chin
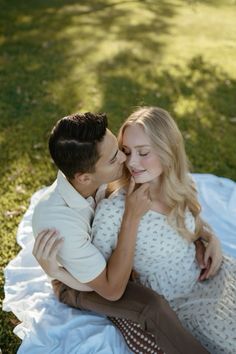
<point>141,180</point>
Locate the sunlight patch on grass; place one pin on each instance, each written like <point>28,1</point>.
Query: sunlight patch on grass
<point>24,19</point>
<point>204,29</point>
<point>185,105</point>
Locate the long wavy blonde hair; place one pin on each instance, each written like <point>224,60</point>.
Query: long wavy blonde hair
<point>177,187</point>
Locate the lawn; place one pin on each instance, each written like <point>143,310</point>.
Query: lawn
<point>58,57</point>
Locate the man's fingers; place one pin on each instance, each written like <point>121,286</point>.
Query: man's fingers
<point>39,238</point>
<point>206,256</point>
<point>56,246</point>
<point>131,185</point>
<point>49,245</point>
<point>200,260</point>
<point>205,271</point>
<point>209,269</point>
<point>200,251</point>
<point>212,270</point>
<point>203,274</point>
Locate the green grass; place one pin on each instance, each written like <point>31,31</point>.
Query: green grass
<point>58,57</point>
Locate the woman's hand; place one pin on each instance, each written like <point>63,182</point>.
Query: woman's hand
<point>137,201</point>
<point>46,247</point>
<point>212,258</point>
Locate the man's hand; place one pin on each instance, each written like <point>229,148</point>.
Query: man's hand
<point>46,247</point>
<point>45,250</point>
<point>200,251</point>
<point>209,258</point>
<point>213,255</point>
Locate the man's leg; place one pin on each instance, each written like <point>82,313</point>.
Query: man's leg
<point>137,339</point>
<point>141,305</point>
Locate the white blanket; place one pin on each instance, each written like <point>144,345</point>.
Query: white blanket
<point>50,327</point>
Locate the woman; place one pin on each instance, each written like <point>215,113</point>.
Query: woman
<point>165,252</point>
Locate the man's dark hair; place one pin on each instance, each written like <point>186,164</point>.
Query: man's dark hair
<point>73,142</point>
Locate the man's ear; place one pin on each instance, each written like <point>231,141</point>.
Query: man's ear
<point>83,178</point>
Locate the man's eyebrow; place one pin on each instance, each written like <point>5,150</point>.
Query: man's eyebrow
<point>113,158</point>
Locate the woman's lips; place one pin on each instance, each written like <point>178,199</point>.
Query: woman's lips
<point>136,173</point>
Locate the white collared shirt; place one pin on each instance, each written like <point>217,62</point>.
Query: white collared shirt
<point>64,209</point>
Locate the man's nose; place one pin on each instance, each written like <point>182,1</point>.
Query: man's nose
<point>121,156</point>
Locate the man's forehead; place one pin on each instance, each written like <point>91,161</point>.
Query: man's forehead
<point>108,147</point>
<point>111,138</point>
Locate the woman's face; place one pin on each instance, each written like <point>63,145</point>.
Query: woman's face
<point>142,161</point>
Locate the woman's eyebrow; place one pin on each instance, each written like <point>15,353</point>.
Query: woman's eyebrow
<point>137,146</point>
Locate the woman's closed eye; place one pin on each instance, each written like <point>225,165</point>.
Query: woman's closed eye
<point>140,153</point>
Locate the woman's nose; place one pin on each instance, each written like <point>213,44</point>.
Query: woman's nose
<point>131,160</point>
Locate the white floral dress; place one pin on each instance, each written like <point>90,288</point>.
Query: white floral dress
<point>165,262</point>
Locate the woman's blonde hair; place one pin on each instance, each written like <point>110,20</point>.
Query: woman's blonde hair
<point>177,187</point>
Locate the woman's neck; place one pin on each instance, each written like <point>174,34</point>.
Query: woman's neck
<point>156,196</point>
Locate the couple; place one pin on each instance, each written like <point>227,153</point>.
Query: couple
<point>164,212</point>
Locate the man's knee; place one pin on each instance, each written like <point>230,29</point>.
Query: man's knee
<point>157,310</point>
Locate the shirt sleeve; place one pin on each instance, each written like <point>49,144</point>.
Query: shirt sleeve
<point>77,254</point>
<point>106,226</point>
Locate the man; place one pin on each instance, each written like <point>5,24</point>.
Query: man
<point>87,156</point>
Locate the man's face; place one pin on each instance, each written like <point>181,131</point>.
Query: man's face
<point>110,165</point>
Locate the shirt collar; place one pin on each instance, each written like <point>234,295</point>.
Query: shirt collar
<point>73,198</point>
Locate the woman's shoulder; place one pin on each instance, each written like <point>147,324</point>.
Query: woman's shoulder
<point>118,194</point>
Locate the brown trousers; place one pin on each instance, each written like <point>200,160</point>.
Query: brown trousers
<point>142,306</point>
